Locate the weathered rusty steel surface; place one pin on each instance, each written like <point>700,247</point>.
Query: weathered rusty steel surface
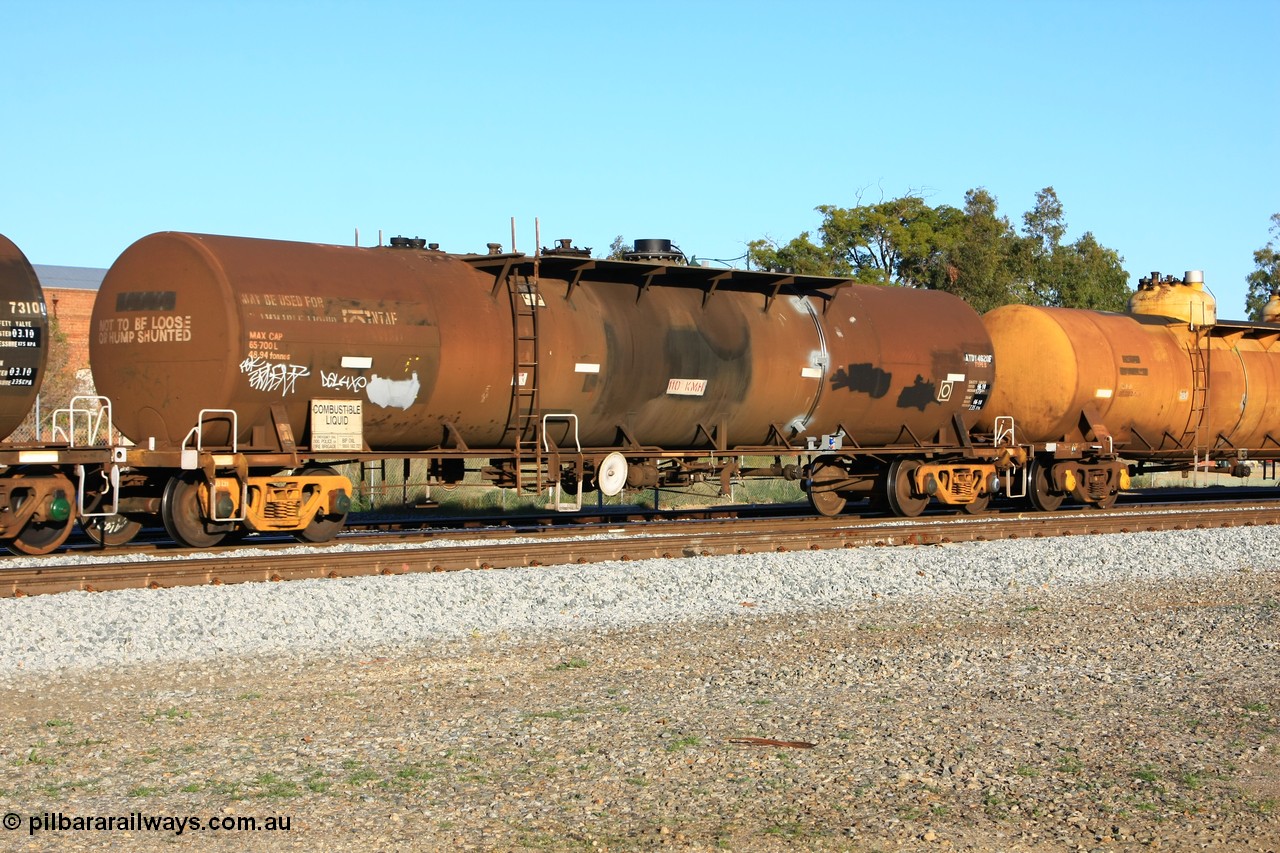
<point>1159,386</point>
<point>632,542</point>
<point>446,350</point>
<point>24,336</point>
<point>903,362</point>
<point>186,321</point>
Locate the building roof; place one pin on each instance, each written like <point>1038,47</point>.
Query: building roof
<point>78,278</point>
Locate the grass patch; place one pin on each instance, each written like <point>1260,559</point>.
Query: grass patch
<point>684,743</point>
<point>271,785</point>
<point>170,714</point>
<point>361,777</point>
<point>1192,780</point>
<point>1146,774</point>
<point>34,756</point>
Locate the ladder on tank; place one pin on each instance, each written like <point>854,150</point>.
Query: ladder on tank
<point>523,419</point>
<point>1193,435</point>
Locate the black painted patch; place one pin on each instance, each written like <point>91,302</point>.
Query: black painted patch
<point>918,395</point>
<point>863,378</point>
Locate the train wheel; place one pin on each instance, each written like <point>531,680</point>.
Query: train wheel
<point>1039,493</point>
<point>977,506</point>
<point>898,489</point>
<point>825,500</point>
<point>41,537</point>
<point>322,528</point>
<point>184,519</point>
<point>111,531</point>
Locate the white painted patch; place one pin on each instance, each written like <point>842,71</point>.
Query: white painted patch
<point>393,393</point>
<point>357,362</point>
<point>811,372</point>
<point>955,377</point>
<point>585,367</point>
<point>1103,394</point>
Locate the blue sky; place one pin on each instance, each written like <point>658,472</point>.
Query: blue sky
<point>711,123</point>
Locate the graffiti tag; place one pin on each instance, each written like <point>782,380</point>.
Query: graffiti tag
<point>343,381</point>
<point>272,376</point>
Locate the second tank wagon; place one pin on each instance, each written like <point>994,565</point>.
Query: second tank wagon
<point>442,348</point>
<point>544,366</point>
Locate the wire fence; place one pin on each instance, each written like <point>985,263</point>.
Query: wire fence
<point>80,422</point>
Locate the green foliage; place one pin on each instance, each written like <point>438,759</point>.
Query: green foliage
<point>60,380</point>
<point>617,249</point>
<point>893,242</point>
<point>1265,280</point>
<point>972,252</point>
<point>1084,274</point>
<point>985,257</point>
<point>801,256</point>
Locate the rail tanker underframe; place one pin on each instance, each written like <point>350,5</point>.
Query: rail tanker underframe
<point>204,496</point>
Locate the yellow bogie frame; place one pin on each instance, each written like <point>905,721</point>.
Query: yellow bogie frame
<point>278,503</point>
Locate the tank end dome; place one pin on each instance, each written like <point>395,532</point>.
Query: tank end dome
<point>1187,300</point>
<point>1271,311</point>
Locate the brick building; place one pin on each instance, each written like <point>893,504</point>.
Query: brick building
<point>68,296</point>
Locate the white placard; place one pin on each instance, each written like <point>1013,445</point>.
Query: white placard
<point>337,425</point>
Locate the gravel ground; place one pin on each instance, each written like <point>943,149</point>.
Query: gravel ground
<point>1091,693</point>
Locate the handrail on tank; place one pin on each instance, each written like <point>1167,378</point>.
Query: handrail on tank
<point>1005,431</point>
<point>647,274</point>
<point>113,482</point>
<point>568,416</point>
<point>557,504</point>
<point>1006,434</point>
<point>88,411</point>
<point>191,458</point>
<point>198,432</point>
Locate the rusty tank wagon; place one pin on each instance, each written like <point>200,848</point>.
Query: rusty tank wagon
<point>35,497</point>
<point>1167,386</point>
<point>552,371</point>
<point>24,336</point>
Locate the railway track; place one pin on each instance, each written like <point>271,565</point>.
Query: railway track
<point>362,556</point>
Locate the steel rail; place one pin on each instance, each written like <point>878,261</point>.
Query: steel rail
<point>630,542</point>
